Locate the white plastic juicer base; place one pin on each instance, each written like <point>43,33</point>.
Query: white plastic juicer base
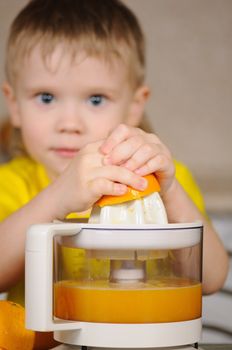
<point>132,336</point>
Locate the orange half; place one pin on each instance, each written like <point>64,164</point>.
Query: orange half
<point>131,194</point>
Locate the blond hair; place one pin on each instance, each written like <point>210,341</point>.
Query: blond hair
<point>99,27</point>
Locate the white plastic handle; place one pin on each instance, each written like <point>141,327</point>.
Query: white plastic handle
<point>39,276</point>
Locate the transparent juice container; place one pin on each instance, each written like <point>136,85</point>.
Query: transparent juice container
<point>128,285</point>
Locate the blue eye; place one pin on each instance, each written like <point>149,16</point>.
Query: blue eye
<point>97,100</point>
<point>46,98</point>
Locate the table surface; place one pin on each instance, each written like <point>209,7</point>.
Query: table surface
<point>216,346</point>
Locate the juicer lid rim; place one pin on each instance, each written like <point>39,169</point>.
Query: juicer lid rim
<point>144,237</point>
<point>96,236</point>
<point>148,227</point>
<point>129,228</point>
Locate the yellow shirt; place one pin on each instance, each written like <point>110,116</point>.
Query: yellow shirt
<point>22,178</point>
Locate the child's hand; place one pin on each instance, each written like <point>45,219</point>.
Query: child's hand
<point>141,153</point>
<point>86,179</point>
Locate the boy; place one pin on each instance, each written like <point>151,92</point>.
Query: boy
<point>75,90</point>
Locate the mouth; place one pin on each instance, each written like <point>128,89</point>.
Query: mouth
<point>66,152</point>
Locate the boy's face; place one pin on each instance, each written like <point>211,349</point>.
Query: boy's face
<point>64,106</point>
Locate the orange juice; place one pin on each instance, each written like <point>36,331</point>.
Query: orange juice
<point>164,300</point>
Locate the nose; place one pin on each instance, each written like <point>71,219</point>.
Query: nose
<point>69,120</point>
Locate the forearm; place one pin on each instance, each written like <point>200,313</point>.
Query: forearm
<point>13,235</point>
<point>180,208</point>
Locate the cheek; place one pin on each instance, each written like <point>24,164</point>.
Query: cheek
<point>33,135</point>
<point>102,129</point>
<point>103,126</point>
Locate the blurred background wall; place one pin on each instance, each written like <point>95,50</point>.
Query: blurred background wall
<point>189,70</point>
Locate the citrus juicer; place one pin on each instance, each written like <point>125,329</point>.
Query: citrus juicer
<point>116,285</point>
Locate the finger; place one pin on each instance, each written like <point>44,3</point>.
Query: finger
<point>124,150</point>
<point>121,175</point>
<point>161,165</point>
<point>86,161</point>
<point>120,134</point>
<point>143,154</point>
<point>103,186</point>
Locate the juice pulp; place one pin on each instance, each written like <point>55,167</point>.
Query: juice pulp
<point>164,300</point>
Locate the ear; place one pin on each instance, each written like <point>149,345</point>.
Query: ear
<point>136,111</point>
<point>12,104</point>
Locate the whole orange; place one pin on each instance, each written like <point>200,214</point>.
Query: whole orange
<point>13,334</point>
